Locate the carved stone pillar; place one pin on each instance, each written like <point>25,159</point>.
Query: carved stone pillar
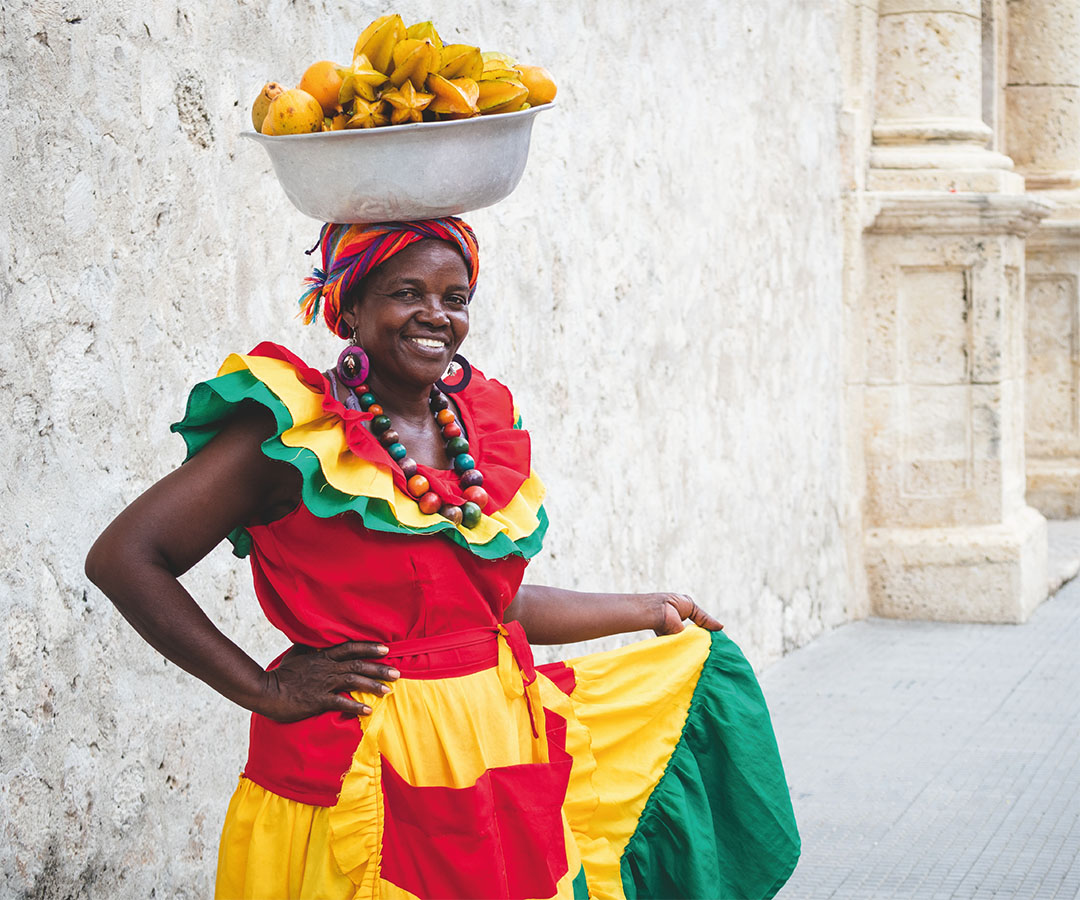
<point>1043,104</point>
<point>950,536</point>
<point>929,132</point>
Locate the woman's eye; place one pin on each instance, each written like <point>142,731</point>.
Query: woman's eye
<point>406,294</point>
<point>458,300</point>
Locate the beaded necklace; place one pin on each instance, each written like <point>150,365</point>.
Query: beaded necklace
<point>457,448</point>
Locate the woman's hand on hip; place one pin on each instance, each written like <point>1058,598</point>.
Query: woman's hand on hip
<point>673,609</point>
<point>307,681</point>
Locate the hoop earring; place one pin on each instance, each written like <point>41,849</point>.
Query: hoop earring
<point>463,364</point>
<point>353,365</point>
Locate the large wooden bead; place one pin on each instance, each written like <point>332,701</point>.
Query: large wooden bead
<point>367,400</point>
<point>389,437</point>
<point>375,409</point>
<point>408,466</point>
<point>451,512</point>
<point>380,424</point>
<point>430,503</point>
<point>457,445</point>
<point>472,478</point>
<point>477,495</point>
<point>418,486</point>
<point>452,430</point>
<point>470,515</point>
<point>438,401</point>
<point>397,451</point>
<point>463,462</point>
<point>444,417</point>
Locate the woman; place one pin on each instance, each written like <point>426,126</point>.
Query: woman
<point>405,746</point>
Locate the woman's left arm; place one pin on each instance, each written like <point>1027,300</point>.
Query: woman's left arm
<point>555,616</point>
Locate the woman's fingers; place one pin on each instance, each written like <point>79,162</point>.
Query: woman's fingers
<point>355,650</point>
<point>687,608</point>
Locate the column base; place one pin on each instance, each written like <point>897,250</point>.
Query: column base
<point>1053,486</point>
<point>985,573</point>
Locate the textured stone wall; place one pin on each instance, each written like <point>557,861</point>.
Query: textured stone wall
<point>662,293</point>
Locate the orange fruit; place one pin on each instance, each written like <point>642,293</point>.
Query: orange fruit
<point>323,82</point>
<point>540,84</point>
<point>293,112</point>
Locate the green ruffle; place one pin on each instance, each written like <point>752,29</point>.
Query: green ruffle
<point>210,404</point>
<point>719,823</point>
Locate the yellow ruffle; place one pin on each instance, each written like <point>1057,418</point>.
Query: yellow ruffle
<point>324,435</point>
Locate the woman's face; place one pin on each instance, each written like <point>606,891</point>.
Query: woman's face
<point>413,313</point>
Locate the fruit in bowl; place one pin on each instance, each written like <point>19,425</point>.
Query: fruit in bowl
<point>401,75</point>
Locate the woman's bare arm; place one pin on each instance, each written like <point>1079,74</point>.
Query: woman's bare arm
<point>179,520</point>
<point>556,616</point>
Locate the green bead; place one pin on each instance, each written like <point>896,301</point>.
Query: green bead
<point>397,451</point>
<point>470,514</point>
<point>366,400</point>
<point>456,446</point>
<point>380,424</point>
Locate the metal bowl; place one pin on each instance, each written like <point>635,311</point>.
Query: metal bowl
<point>418,171</point>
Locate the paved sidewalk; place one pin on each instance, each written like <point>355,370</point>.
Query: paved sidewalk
<point>933,760</point>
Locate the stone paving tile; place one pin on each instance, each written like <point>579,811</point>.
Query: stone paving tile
<point>936,761</point>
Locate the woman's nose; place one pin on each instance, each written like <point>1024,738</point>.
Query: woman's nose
<point>434,311</point>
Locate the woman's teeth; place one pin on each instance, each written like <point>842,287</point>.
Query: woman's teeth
<point>428,342</point>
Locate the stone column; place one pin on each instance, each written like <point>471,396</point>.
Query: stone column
<point>929,132</point>
<point>950,535</point>
<point>1043,108</point>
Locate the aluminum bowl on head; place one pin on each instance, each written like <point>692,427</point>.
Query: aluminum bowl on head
<point>418,171</point>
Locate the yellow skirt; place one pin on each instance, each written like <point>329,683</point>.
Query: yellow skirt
<point>584,779</point>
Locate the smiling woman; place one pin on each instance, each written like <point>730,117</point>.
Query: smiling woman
<point>405,745</point>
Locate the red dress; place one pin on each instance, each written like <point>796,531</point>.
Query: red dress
<point>477,775</point>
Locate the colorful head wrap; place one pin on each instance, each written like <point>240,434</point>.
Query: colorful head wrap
<point>349,252</point>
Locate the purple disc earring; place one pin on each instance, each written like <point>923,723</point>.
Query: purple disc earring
<point>463,383</point>
<point>353,366</point>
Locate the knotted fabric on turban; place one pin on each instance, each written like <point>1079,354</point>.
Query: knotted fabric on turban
<point>349,252</point>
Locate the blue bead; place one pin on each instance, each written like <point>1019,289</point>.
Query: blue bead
<point>366,400</point>
<point>463,462</point>
<point>397,451</point>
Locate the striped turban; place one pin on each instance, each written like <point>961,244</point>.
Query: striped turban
<point>349,252</point>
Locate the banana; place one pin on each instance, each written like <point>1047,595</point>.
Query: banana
<point>361,79</point>
<point>408,104</point>
<point>414,60</point>
<point>377,41</point>
<point>454,98</point>
<point>424,30</point>
<point>461,61</point>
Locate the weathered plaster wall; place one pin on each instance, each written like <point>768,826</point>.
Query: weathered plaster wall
<point>663,293</point>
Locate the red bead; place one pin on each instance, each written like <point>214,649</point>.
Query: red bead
<point>418,486</point>
<point>451,513</point>
<point>477,495</point>
<point>375,409</point>
<point>452,430</point>
<point>444,417</point>
<point>430,503</point>
<point>408,466</point>
<point>363,389</point>
<point>389,437</point>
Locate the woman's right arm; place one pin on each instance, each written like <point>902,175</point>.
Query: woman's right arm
<point>136,562</point>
